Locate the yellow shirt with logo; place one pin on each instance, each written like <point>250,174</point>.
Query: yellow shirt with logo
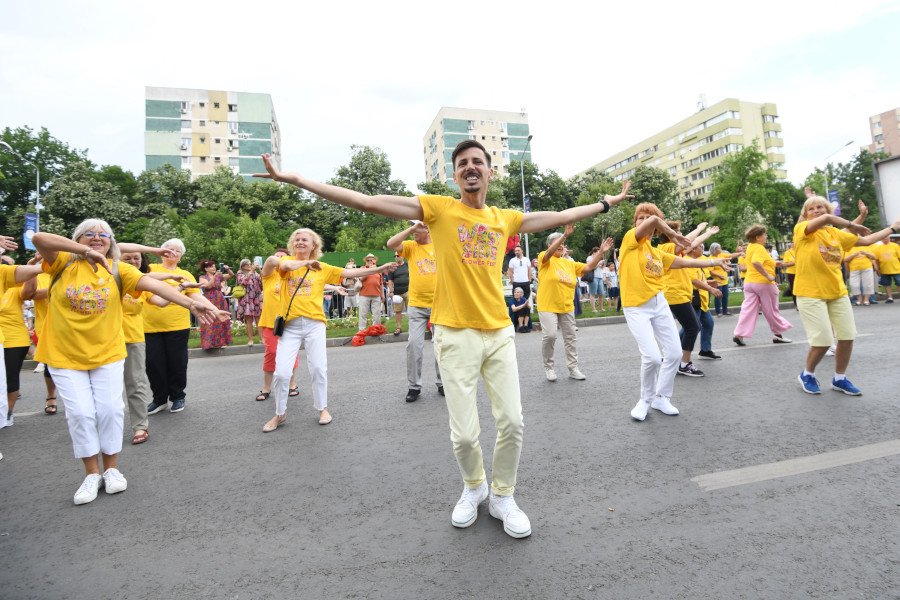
<point>469,245</point>
<point>159,319</point>
<point>861,262</point>
<point>7,280</point>
<point>308,301</point>
<point>83,329</point>
<point>790,256</point>
<point>717,270</point>
<point>758,253</point>
<point>271,300</point>
<point>676,282</point>
<point>641,268</point>
<point>12,321</point>
<point>422,272</point>
<point>41,306</point>
<point>132,321</point>
<point>819,257</point>
<point>888,258</point>
<point>558,277</point>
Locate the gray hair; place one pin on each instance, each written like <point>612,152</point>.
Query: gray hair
<point>89,224</point>
<point>552,237</point>
<point>174,244</point>
<point>714,246</point>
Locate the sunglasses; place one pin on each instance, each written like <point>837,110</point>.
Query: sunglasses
<point>91,235</point>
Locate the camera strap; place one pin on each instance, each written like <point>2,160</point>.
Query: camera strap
<point>288,311</point>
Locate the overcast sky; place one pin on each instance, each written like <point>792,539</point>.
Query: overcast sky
<point>593,80</point>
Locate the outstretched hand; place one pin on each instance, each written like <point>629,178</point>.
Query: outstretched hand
<point>570,229</point>
<point>808,191</point>
<point>626,185</point>
<point>8,243</point>
<point>208,314</point>
<point>271,172</point>
<point>606,245</point>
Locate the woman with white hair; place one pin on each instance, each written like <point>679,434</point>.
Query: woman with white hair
<point>83,346</point>
<point>166,332</point>
<point>820,291</point>
<point>556,304</point>
<point>719,274</point>
<point>303,280</point>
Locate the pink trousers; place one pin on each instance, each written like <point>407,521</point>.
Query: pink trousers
<point>758,295</point>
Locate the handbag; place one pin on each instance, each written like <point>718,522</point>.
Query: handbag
<point>238,291</point>
<point>588,276</point>
<point>695,299</point>
<point>278,327</point>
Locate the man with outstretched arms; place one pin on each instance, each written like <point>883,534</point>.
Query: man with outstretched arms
<point>419,254</point>
<point>473,331</point>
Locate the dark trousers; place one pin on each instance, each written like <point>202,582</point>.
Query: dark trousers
<point>167,359</point>
<point>686,315</point>
<point>721,304</point>
<point>13,358</point>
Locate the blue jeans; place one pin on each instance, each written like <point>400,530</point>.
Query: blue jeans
<point>706,329</point>
<point>722,303</point>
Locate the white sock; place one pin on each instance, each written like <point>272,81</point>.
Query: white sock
<point>839,377</point>
<point>684,364</point>
<point>805,373</point>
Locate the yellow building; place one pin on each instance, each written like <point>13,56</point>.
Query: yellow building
<point>691,149</point>
<point>503,134</point>
<point>200,130</point>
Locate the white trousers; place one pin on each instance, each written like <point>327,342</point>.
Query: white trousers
<point>415,346</point>
<point>861,282</point>
<point>653,327</point>
<point>95,411</point>
<point>4,402</point>
<point>309,333</point>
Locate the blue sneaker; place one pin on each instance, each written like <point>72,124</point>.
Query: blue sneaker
<point>810,384</point>
<point>177,406</point>
<point>845,386</point>
<point>155,407</point>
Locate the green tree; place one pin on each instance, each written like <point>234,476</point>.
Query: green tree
<point>650,184</point>
<point>78,195</point>
<point>166,187</point>
<point>246,238</point>
<point>438,188</point>
<point>856,181</point>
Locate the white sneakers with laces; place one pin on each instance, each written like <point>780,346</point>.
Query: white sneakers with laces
<point>664,405</point>
<point>466,510</point>
<point>640,410</point>
<point>515,522</point>
<point>114,481</point>
<point>89,488</point>
<point>551,374</point>
<point>576,374</point>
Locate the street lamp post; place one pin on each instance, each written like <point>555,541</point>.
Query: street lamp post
<point>522,177</point>
<point>37,203</point>
<point>826,167</point>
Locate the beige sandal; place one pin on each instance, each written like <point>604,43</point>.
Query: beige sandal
<point>324,417</point>
<point>273,423</point>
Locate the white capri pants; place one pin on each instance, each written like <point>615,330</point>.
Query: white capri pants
<point>309,333</point>
<point>653,327</point>
<point>862,280</point>
<point>95,411</point>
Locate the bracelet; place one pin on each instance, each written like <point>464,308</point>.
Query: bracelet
<point>605,206</point>
<point>893,230</point>
<point>711,263</point>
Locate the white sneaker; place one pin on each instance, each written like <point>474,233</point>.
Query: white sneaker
<point>639,412</point>
<point>39,368</point>
<point>830,351</point>
<point>515,522</point>
<point>551,374</point>
<point>114,481</point>
<point>89,488</point>
<point>9,419</point>
<point>466,510</point>
<point>664,405</point>
<point>576,374</point>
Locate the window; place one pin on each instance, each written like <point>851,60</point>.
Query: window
<point>215,105</point>
<point>216,123</point>
<point>233,127</point>
<point>770,118</point>
<point>185,162</point>
<point>483,138</point>
<point>185,106</point>
<point>482,122</point>
<point>471,137</point>
<point>876,125</point>
<point>185,124</point>
<point>218,140</point>
<point>493,137</point>
<point>234,161</point>
<point>502,127</point>
<point>232,108</point>
<point>185,143</point>
<point>203,159</point>
<point>203,140</point>
<point>202,104</point>
<point>879,138</point>
<point>217,159</point>
<point>202,123</point>
<point>471,124</point>
<point>672,170</point>
<point>506,154</point>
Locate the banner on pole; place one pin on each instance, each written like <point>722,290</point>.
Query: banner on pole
<point>30,230</point>
<point>527,202</point>
<point>835,200</point>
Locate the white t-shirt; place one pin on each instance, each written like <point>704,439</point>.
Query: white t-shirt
<point>520,269</point>
<point>612,279</point>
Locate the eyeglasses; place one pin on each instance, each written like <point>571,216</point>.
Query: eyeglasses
<point>91,235</point>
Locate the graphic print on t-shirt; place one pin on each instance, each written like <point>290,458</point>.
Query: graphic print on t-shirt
<point>87,300</point>
<point>831,253</point>
<point>653,266</point>
<point>426,266</point>
<point>479,244</point>
<point>564,276</point>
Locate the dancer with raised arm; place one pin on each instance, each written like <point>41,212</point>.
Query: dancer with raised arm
<point>473,333</point>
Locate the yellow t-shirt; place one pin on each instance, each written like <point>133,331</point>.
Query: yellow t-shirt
<point>676,282</point>
<point>717,270</point>
<point>308,301</point>
<point>83,329</point>
<point>819,257</point>
<point>861,262</point>
<point>469,245</point>
<point>888,258</point>
<point>422,272</point>
<point>41,306</point>
<point>704,295</point>
<point>558,277</point>
<point>12,321</point>
<point>158,319</point>
<point>7,280</point>
<point>641,267</point>
<point>132,321</point>
<point>758,253</point>
<point>271,300</point>
<point>790,256</point>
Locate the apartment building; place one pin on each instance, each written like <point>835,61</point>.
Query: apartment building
<point>885,130</point>
<point>200,130</point>
<point>503,134</point>
<point>693,148</point>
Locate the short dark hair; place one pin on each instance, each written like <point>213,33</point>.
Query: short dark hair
<point>465,145</point>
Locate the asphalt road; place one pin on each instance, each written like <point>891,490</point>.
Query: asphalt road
<point>361,508</point>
